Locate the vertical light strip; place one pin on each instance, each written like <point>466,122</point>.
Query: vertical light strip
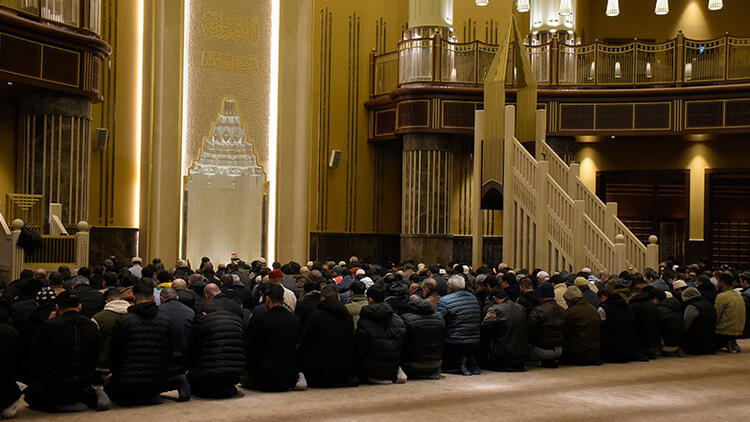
<point>185,74</point>
<point>273,129</point>
<point>139,116</point>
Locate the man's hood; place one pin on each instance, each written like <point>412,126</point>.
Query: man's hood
<point>147,310</point>
<point>377,312</point>
<point>118,306</point>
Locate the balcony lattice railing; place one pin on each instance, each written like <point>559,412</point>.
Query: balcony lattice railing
<point>80,14</point>
<point>680,61</point>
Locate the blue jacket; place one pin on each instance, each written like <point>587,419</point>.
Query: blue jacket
<point>462,315</point>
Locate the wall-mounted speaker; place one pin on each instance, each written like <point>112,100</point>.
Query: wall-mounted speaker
<point>102,134</point>
<point>333,162</point>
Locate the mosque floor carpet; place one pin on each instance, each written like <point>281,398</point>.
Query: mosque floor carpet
<point>695,388</point>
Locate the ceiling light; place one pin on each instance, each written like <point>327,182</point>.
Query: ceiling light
<point>715,4</point>
<point>662,7</point>
<point>523,6</point>
<point>481,2</point>
<point>566,8</point>
<point>613,7</point>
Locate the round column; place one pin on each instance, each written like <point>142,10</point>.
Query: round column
<point>54,139</point>
<point>426,192</point>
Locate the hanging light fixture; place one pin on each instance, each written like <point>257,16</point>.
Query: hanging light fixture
<point>613,7</point>
<point>715,4</point>
<point>481,2</point>
<point>523,6</point>
<point>662,7</point>
<point>566,8</point>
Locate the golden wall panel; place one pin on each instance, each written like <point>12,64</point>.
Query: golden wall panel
<point>113,176</point>
<point>362,194</point>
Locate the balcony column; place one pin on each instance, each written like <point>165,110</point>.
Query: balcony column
<point>54,136</point>
<point>426,194</point>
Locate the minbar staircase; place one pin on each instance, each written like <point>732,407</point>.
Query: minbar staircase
<point>552,220</point>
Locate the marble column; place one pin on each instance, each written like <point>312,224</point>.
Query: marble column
<point>54,139</point>
<point>426,193</point>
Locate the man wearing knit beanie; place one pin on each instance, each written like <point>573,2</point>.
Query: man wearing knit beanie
<point>546,328</point>
<point>582,330</point>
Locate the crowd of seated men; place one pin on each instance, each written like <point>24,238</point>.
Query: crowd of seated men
<point>126,334</point>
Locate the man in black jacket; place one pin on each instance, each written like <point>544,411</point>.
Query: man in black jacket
<point>142,354</point>
<point>505,338</point>
<point>618,326</point>
<point>271,345</point>
<point>329,334</point>
<point>425,334</point>
<point>670,324</point>
<point>182,317</point>
<point>217,359</point>
<point>309,302</point>
<point>379,338</point>
<point>63,361</point>
<point>92,301</point>
<point>185,296</point>
<point>546,328</point>
<point>700,323</point>
<point>646,321</point>
<point>213,293</point>
<point>11,362</point>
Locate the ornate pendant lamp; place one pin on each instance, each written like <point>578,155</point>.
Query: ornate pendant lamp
<point>566,8</point>
<point>523,6</point>
<point>715,4</point>
<point>662,7</point>
<point>613,7</point>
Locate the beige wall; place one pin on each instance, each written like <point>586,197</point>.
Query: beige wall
<point>695,153</point>
<point>8,116</point>
<point>295,60</point>
<point>637,19</point>
<point>113,186</point>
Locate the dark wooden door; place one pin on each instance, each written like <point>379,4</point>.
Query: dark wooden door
<point>651,202</point>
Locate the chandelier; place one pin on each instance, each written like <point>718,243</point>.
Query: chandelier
<point>566,8</point>
<point>523,6</point>
<point>715,4</point>
<point>613,7</point>
<point>662,7</point>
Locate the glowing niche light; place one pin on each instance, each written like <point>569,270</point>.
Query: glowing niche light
<point>613,7</point>
<point>715,4</point>
<point>523,6</point>
<point>662,7</point>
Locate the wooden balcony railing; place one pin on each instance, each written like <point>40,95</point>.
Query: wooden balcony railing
<point>680,61</point>
<point>79,14</point>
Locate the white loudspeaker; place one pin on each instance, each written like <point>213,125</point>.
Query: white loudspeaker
<point>333,162</point>
<point>102,134</point>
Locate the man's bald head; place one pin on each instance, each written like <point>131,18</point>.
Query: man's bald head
<point>179,284</point>
<point>167,293</point>
<point>195,279</point>
<point>211,290</point>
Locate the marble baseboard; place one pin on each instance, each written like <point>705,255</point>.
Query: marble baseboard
<point>120,242</point>
<point>386,248</point>
<point>374,248</point>
<point>492,249</point>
